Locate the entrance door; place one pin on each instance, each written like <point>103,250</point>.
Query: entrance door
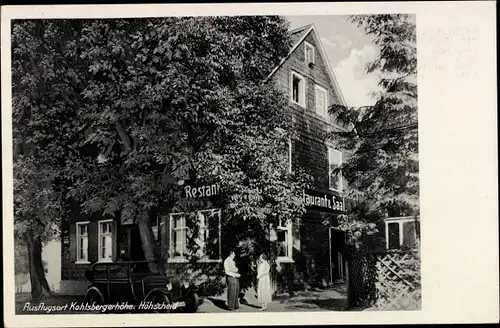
<point>129,243</point>
<point>337,262</point>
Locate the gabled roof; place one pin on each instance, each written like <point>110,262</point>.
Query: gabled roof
<point>298,35</point>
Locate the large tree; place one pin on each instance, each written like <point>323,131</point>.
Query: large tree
<point>42,131</point>
<point>383,140</point>
<point>122,110</point>
<point>37,214</point>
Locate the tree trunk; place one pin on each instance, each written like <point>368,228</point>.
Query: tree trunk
<point>148,242</point>
<point>38,280</point>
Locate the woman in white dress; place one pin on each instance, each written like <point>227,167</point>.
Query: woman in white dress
<point>264,284</point>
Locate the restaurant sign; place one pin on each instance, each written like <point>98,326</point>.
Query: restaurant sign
<point>311,198</point>
<point>202,191</point>
<point>323,200</point>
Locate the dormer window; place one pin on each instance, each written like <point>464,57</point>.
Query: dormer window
<point>298,89</point>
<point>309,53</point>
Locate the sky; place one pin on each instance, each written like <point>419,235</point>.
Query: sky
<point>348,50</point>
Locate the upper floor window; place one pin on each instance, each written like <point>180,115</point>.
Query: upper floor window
<point>82,238</point>
<point>105,240</point>
<point>321,97</point>
<point>334,162</point>
<point>298,89</point>
<point>309,52</point>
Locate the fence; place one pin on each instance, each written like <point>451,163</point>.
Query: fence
<point>385,281</point>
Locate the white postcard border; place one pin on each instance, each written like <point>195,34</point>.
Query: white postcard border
<point>457,116</point>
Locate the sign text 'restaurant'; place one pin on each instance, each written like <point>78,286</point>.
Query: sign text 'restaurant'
<point>327,201</point>
<point>203,191</point>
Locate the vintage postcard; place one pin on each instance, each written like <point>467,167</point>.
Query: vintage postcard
<point>229,163</point>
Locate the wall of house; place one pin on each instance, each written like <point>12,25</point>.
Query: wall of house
<point>73,280</point>
<point>310,152</point>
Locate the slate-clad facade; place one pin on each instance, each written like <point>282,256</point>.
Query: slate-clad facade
<point>311,252</point>
<point>320,255</point>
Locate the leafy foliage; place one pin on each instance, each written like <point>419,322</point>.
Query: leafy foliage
<point>117,112</point>
<point>383,169</point>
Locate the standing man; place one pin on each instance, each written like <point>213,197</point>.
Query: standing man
<point>233,281</point>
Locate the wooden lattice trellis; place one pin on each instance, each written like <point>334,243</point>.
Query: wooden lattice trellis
<point>398,282</point>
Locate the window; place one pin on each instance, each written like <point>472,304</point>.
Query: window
<point>409,234</point>
<point>155,229</point>
<point>321,98</point>
<point>401,232</point>
<point>209,235</point>
<point>309,53</point>
<point>393,235</point>
<point>298,89</point>
<point>178,235</point>
<point>105,241</point>
<point>208,239</point>
<point>290,159</point>
<point>82,239</point>
<point>334,162</point>
<point>284,241</point>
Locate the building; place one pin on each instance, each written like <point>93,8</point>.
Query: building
<point>311,253</point>
<point>306,75</point>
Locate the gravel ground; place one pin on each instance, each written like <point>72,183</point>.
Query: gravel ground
<point>332,299</point>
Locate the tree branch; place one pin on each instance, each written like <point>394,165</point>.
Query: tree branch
<point>123,136</point>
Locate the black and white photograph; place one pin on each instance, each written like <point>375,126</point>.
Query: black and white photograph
<point>215,164</point>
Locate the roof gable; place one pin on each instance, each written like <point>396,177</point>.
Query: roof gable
<point>298,33</point>
<point>298,36</point>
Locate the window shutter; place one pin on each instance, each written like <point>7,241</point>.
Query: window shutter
<point>409,234</point>
<point>72,242</point>
<point>212,243</point>
<point>393,235</point>
<point>290,238</point>
<point>165,236</point>
<point>316,93</point>
<point>114,240</point>
<point>93,241</point>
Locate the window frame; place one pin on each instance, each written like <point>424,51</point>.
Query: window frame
<point>212,211</point>
<point>99,242</point>
<point>324,111</point>
<point>78,259</point>
<point>171,246</point>
<point>290,156</point>
<point>400,221</point>
<point>341,181</point>
<point>203,258</point>
<point>302,95</point>
<point>313,52</point>
<point>289,241</point>
<point>156,229</point>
